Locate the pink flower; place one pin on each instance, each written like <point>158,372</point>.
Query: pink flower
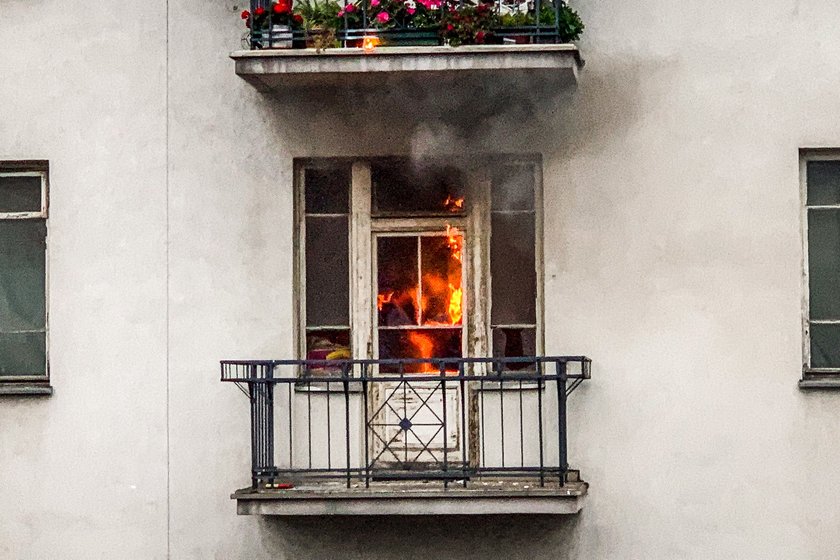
<point>410,11</point>
<point>374,3</point>
<point>340,13</point>
<point>383,17</point>
<point>350,8</point>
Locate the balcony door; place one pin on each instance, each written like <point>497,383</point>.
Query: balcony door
<point>420,313</point>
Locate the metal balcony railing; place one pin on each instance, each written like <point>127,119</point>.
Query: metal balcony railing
<point>541,22</point>
<point>365,421</point>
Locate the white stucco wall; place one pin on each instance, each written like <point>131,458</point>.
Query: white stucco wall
<point>673,258</point>
<point>83,473</point>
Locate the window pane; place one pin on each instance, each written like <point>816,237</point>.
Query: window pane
<point>400,187</point>
<point>396,262</point>
<point>513,188</point>
<point>824,263</point>
<point>328,190</point>
<point>823,182</point>
<point>419,343</point>
<point>327,271</point>
<point>23,354</point>
<point>22,275</point>
<point>440,259</point>
<point>332,344</point>
<point>20,194</point>
<point>513,269</point>
<point>514,342</point>
<point>825,346</point>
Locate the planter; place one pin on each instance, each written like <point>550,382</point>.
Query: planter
<point>280,37</point>
<point>320,38</point>
<point>428,37</point>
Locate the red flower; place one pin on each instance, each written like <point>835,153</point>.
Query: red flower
<point>479,37</point>
<point>283,7</point>
<point>245,14</point>
<point>450,27</point>
<point>298,18</point>
<point>259,11</point>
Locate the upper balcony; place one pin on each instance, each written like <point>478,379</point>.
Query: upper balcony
<point>366,43</point>
<point>410,436</point>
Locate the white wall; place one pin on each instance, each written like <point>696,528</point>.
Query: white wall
<point>672,258</point>
<point>83,473</point>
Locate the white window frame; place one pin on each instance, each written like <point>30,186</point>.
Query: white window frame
<point>37,382</point>
<point>364,227</point>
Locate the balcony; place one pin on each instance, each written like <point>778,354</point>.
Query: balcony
<point>447,41</point>
<point>409,436</point>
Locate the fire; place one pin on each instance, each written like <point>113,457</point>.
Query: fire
<point>382,299</point>
<point>425,348</point>
<point>453,204</point>
<point>369,43</point>
<point>454,309</point>
<point>454,239</point>
<point>437,301</point>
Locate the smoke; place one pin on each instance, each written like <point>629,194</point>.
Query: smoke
<point>435,139</point>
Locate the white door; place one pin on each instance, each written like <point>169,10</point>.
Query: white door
<point>420,308</point>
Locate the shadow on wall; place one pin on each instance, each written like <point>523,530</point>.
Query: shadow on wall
<point>442,537</point>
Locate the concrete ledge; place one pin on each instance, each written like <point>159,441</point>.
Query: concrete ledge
<point>403,499</point>
<point>276,69</point>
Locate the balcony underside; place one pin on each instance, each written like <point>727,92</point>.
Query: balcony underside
<point>551,66</point>
<point>415,498</point>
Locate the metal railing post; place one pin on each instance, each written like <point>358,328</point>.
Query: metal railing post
<point>262,421</point>
<point>561,420</point>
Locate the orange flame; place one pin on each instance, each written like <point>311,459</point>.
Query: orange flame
<point>454,310</point>
<point>454,239</point>
<point>453,204</point>
<point>382,299</point>
<point>369,43</point>
<point>425,347</point>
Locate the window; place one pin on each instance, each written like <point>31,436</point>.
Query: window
<point>400,259</point>
<point>23,269</point>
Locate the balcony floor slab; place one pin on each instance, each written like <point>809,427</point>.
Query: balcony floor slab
<point>415,498</point>
<point>553,65</point>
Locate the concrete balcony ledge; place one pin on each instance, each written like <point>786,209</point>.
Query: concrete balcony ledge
<point>413,498</point>
<point>280,69</point>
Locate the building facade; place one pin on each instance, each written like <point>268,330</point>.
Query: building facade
<point>683,194</point>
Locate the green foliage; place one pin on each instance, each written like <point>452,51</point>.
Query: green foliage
<point>516,19</point>
<point>318,13</point>
<point>569,23</point>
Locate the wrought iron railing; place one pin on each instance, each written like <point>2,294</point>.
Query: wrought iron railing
<point>364,421</point>
<point>541,22</point>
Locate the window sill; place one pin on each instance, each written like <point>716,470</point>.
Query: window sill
<point>26,388</point>
<point>819,381</point>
